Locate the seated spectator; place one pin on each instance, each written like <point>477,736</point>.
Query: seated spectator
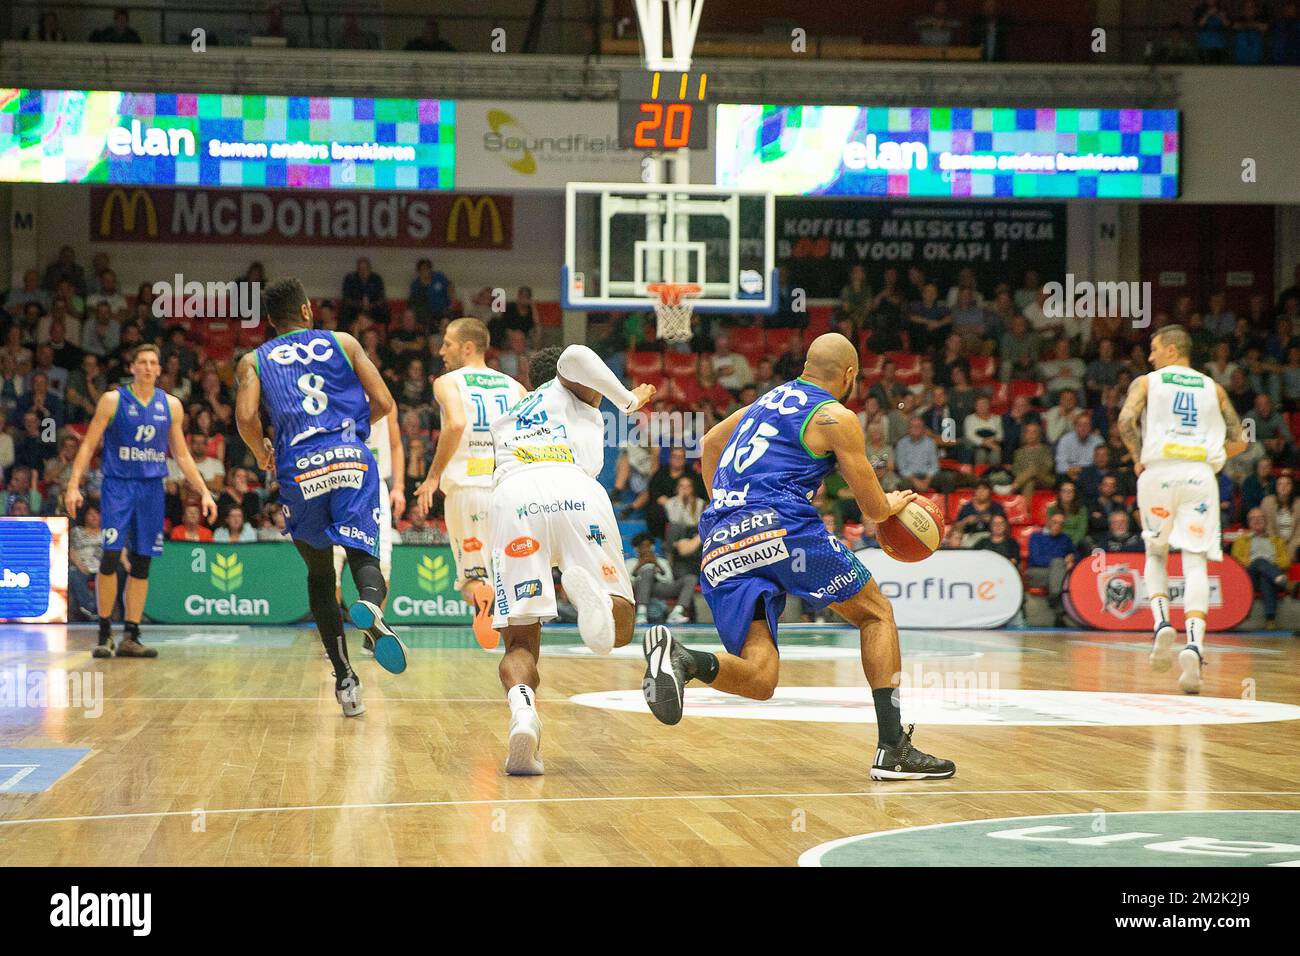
<point>119,32</point>
<point>64,267</point>
<point>1032,466</point>
<point>917,457</point>
<point>1119,537</point>
<point>31,450</point>
<point>633,470</point>
<point>108,293</point>
<point>999,539</point>
<point>1018,351</point>
<point>407,337</point>
<point>1282,512</point>
<point>30,291</point>
<point>431,291</point>
<point>733,369</point>
<point>49,30</point>
<point>235,529</point>
<point>982,433</point>
<point>1265,558</point>
<point>888,391</point>
<point>363,290</point>
<point>684,507</point>
<point>961,395</point>
<point>191,527</point>
<point>1073,514</point>
<point>237,494</point>
<point>1102,372</point>
<point>989,30</point>
<point>6,445</point>
<point>1248,35</point>
<point>418,531</point>
<point>663,486</point>
<point>430,41</point>
<point>653,579</point>
<point>1212,28</point>
<point>85,551</point>
<point>55,374</point>
<point>21,490</point>
<point>952,357</point>
<point>968,319</point>
<point>764,377</point>
<point>1051,558</point>
<point>1061,371</point>
<point>928,320</point>
<point>273,527</point>
<point>1075,450</point>
<point>881,456</point>
<point>975,518</point>
<point>103,336</point>
<point>59,468</point>
<point>352,37</point>
<point>1014,419</point>
<point>857,298</point>
<point>1089,480</point>
<point>1060,418</point>
<point>85,386</point>
<point>514,358</point>
<point>212,469</point>
<point>790,365</point>
<point>1289,380</point>
<point>519,314</point>
<point>1272,431</point>
<point>1108,500</point>
<point>41,400</point>
<point>936,28</point>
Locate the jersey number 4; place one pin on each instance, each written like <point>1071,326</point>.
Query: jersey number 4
<point>1185,408</point>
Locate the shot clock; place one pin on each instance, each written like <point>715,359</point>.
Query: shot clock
<point>661,110</point>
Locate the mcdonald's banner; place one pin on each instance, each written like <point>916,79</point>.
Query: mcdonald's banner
<point>1108,592</point>
<point>266,583</point>
<point>279,217</point>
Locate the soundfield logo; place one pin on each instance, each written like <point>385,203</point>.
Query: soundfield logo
<point>520,149</point>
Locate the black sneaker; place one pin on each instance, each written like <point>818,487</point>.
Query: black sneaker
<point>904,762</point>
<point>668,668</point>
<point>368,643</point>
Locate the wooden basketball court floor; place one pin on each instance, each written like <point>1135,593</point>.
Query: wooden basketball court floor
<point>229,749</point>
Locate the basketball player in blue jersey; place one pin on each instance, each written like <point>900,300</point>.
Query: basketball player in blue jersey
<point>321,392</point>
<point>763,539</point>
<point>138,423</point>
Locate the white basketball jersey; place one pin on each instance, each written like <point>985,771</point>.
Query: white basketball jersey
<point>486,395</point>
<point>379,446</point>
<point>1182,420</point>
<point>551,426</point>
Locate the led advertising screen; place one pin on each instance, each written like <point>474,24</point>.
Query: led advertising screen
<point>949,151</point>
<point>213,139</point>
<point>34,570</point>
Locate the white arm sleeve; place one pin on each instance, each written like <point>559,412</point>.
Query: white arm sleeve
<point>580,364</point>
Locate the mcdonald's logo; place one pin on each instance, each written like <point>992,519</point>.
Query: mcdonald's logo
<point>129,205</point>
<point>474,207</point>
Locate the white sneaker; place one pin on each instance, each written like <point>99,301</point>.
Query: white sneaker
<point>1189,662</point>
<point>1162,648</point>
<point>678,616</point>
<point>349,697</point>
<point>525,747</point>
<point>641,616</point>
<point>595,616</point>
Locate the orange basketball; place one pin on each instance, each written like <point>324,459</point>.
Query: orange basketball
<point>914,533</point>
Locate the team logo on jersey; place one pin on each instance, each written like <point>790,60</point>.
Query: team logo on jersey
<point>609,572</point>
<point>1201,508</point>
<point>1118,588</point>
<point>722,498</point>
<point>291,353</point>
<point>1160,512</point>
<point>132,411</point>
<point>321,481</point>
<point>771,551</point>
<point>595,534</point>
<point>471,544</point>
<point>528,589</point>
<point>523,547</point>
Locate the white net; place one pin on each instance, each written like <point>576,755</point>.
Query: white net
<point>673,309</point>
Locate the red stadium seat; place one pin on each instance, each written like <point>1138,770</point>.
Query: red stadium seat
<point>955,500</point>
<point>218,338</point>
<point>678,364</point>
<point>395,309</point>
<point>907,366</point>
<point>642,364</point>
<point>1024,386</point>
<point>819,321</point>
<point>749,343</point>
<point>871,363</point>
<point>779,341</point>
<point>1038,508</point>
<point>1016,507</point>
<point>1022,534</point>
<point>250,337</point>
<point>982,369</point>
<point>548,313</point>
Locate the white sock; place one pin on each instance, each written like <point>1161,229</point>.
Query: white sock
<point>1195,631</point>
<point>1160,609</point>
<point>521,696</point>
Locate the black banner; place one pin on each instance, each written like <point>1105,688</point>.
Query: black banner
<point>819,240</point>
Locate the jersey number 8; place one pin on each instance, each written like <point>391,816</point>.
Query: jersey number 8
<point>314,400</point>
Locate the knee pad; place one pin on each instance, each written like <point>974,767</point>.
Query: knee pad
<point>140,566</point>
<point>110,562</point>
<point>1196,582</point>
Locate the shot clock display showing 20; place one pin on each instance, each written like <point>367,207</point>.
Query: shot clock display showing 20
<point>661,111</point>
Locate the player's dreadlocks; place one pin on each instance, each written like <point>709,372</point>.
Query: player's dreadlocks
<point>542,367</point>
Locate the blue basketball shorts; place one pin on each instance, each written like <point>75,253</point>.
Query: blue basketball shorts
<point>131,513</point>
<point>330,495</point>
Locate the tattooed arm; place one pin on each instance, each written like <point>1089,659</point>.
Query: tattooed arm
<point>1234,442</point>
<point>835,430</point>
<point>1130,420</point>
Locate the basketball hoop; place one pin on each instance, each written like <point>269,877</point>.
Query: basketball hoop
<point>673,308</point>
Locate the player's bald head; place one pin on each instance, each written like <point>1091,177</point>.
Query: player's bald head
<point>829,357</point>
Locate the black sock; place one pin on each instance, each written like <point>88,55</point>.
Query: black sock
<point>889,718</point>
<point>133,630</point>
<point>367,576</point>
<point>705,665</point>
<point>105,630</point>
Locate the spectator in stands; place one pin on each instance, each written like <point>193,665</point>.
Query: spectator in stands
<point>856,298</point>
<point>237,494</point>
<point>59,469</point>
<point>1118,537</point>
<point>790,365</point>
<point>273,527</point>
<point>1272,431</point>
<point>988,31</point>
<point>1103,371</point>
<point>1014,419</point>
<point>975,518</point>
<point>632,472</point>
<point>928,320</point>
<point>352,37</point>
<point>415,393</point>
<point>1265,557</point>
<point>999,539</point>
<point>418,459</point>
<point>21,489</point>
<point>1060,418</point>
<point>66,354</point>
<point>64,267</point>
<point>653,580</point>
<point>514,358</point>
<point>1248,31</point>
<point>881,455</point>
<point>1220,366</point>
<point>785,316</point>
<point>1061,371</point>
<point>363,290</point>
<point>1032,466</point>
<point>662,486</point>
<point>418,531</point>
<point>47,406</point>
<point>431,291</point>
<point>191,527</point>
<point>108,292</point>
<point>1258,486</point>
<point>1051,558</point>
<point>917,457</point>
<point>14,349</point>
<point>235,529</point>
<point>968,320</point>
<point>1282,512</point>
<point>212,470</point>
<point>59,315</point>
<point>13,385</point>
<point>55,374</point>
<point>764,377</point>
<point>103,336</point>
<point>1239,392</point>
<point>519,315</point>
<point>1018,351</point>
<point>1088,481</point>
<point>49,30</point>
<point>1213,25</point>
<point>733,369</point>
<point>952,357</point>
<point>953,539</point>
<point>936,28</point>
<point>705,388</point>
<point>6,445</point>
<point>888,391</point>
<point>1074,452</point>
<point>1284,36</point>
<point>85,550</point>
<point>430,41</point>
<point>962,396</point>
<point>983,434</point>
<point>1071,510</point>
<point>120,31</point>
<point>407,337</point>
<point>31,291</point>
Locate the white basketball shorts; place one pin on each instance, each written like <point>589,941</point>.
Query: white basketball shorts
<point>466,512</point>
<point>1179,502</point>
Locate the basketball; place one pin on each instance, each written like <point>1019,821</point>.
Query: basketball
<point>914,533</point>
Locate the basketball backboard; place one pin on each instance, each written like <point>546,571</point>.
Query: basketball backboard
<point>620,237</point>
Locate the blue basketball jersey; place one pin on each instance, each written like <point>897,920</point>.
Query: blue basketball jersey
<point>135,442</point>
<point>766,463</point>
<point>310,390</point>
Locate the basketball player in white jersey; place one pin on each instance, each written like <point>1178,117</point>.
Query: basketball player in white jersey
<point>1180,428</point>
<point>470,397</point>
<point>385,443</point>
<point>548,510</point>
